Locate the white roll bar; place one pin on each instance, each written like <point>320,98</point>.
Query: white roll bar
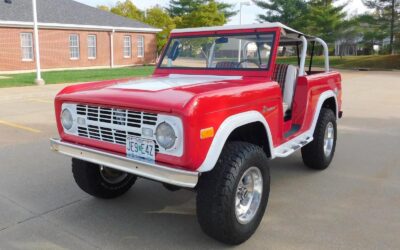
<point>303,56</point>
<point>326,52</point>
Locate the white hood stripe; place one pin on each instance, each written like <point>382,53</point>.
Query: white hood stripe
<point>171,81</point>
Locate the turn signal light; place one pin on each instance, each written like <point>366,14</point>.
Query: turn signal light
<point>206,133</point>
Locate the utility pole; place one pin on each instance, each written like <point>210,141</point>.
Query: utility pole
<point>112,48</point>
<point>38,80</point>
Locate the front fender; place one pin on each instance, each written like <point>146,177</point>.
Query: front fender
<point>226,128</point>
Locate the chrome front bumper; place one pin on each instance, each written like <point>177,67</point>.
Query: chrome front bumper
<point>151,171</point>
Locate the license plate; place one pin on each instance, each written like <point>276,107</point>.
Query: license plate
<point>140,149</point>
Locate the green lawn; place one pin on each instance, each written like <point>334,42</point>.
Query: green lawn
<point>71,76</point>
<point>386,62</point>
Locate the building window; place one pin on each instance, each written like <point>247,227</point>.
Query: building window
<point>27,46</point>
<point>140,46</point>
<point>127,47</point>
<point>92,46</point>
<point>74,52</point>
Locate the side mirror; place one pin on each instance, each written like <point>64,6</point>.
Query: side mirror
<point>175,51</point>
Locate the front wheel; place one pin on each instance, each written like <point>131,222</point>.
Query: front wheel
<point>100,181</point>
<point>232,198</point>
<point>319,153</point>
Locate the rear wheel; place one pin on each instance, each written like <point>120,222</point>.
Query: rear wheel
<point>232,198</point>
<point>101,181</point>
<point>319,153</point>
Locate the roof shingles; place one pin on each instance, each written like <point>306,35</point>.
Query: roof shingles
<point>64,12</point>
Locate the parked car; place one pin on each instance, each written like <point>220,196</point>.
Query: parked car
<point>216,110</point>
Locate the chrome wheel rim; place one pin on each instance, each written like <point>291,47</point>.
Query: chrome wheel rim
<point>329,139</point>
<point>112,176</point>
<point>248,195</point>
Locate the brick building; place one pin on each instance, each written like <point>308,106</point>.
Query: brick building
<point>71,35</point>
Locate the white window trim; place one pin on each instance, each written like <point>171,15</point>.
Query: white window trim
<point>22,47</point>
<point>141,39</point>
<point>130,46</point>
<point>90,47</point>
<point>78,46</point>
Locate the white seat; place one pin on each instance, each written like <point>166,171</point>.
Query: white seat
<point>289,87</point>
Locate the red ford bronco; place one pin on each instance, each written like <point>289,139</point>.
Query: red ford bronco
<point>216,110</point>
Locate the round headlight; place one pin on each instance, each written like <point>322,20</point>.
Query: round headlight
<point>66,119</point>
<point>165,135</point>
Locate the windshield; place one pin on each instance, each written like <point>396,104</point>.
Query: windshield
<point>228,52</point>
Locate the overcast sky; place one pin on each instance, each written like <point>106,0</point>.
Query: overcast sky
<point>249,13</point>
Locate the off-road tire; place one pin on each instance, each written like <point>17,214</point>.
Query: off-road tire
<point>88,177</point>
<point>217,192</point>
<point>313,153</point>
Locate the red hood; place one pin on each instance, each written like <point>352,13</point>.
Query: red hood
<point>170,93</point>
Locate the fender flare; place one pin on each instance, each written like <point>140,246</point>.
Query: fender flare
<point>233,122</point>
<point>225,130</point>
<point>322,98</point>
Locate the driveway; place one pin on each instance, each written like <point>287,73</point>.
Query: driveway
<point>354,204</point>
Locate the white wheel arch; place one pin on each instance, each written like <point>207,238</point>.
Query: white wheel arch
<point>225,130</point>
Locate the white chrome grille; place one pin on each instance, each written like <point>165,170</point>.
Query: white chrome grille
<point>112,124</point>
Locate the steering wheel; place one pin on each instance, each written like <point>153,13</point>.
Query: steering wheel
<point>239,65</point>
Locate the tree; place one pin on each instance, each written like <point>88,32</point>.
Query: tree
<point>288,12</point>
<point>179,8</point>
<point>227,9</point>
<point>325,19</point>
<point>128,9</point>
<point>389,12</point>
<point>372,31</point>
<point>348,37</point>
<point>103,7</point>
<point>396,43</point>
<point>188,13</point>
<point>205,15</point>
<point>159,18</point>
<point>156,17</point>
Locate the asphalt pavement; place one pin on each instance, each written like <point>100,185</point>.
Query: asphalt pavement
<point>354,204</point>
